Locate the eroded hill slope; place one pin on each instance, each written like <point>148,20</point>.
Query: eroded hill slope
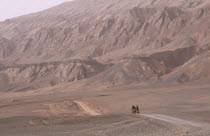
<point>129,41</point>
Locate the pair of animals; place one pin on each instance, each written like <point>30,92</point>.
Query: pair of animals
<point>135,109</point>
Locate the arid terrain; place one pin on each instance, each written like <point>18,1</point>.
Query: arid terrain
<point>77,68</point>
<point>67,110</point>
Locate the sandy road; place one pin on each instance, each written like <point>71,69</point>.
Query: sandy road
<point>86,108</point>
<point>173,120</point>
<point>168,119</point>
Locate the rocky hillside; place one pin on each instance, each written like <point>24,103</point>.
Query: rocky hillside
<point>125,41</point>
<point>33,76</point>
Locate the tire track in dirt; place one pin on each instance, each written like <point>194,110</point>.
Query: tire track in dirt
<point>173,120</point>
<point>168,119</point>
<point>86,108</point>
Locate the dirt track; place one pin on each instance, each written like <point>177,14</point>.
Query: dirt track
<point>173,120</point>
<point>168,119</point>
<point>86,108</point>
<point>68,113</point>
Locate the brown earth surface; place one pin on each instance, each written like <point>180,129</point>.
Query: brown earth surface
<point>77,68</point>
<point>72,110</point>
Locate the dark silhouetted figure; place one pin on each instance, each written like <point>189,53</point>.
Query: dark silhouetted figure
<point>137,109</point>
<point>133,109</point>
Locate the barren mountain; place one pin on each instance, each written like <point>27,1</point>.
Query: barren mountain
<point>107,41</point>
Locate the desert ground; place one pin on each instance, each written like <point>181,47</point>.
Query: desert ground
<point>165,110</point>
<point>77,68</point>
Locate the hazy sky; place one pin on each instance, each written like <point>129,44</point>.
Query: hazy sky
<point>13,8</point>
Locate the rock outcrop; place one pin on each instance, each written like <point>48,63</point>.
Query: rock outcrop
<point>33,76</point>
